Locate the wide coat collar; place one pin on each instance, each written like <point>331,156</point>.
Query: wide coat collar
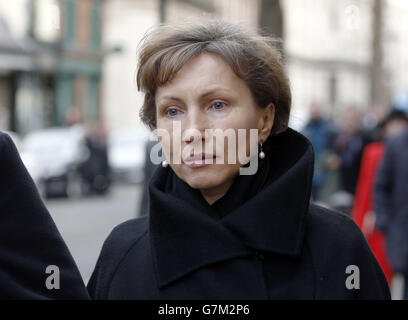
<point>184,237</point>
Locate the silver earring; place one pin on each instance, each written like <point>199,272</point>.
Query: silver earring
<point>165,163</point>
<point>261,154</point>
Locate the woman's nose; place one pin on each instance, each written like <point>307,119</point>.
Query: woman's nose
<point>194,126</point>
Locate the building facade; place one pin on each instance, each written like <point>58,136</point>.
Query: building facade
<point>51,62</point>
<point>328,48</point>
<point>79,67</point>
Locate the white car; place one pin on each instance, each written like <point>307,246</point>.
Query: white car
<point>126,153</point>
<point>53,158</point>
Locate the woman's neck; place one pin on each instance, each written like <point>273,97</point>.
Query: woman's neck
<point>213,194</point>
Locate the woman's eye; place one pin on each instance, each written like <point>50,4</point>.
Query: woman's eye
<point>172,112</point>
<point>218,105</point>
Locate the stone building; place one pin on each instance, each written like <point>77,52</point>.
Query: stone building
<point>51,62</point>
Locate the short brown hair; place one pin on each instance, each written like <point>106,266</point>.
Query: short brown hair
<point>254,58</point>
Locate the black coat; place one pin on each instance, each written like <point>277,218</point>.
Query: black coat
<point>275,245</point>
<point>391,201</point>
<point>148,171</point>
<point>29,239</point>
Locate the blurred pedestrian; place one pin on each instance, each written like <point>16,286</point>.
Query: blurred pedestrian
<point>348,146</point>
<point>211,232</point>
<point>363,209</point>
<point>391,197</point>
<point>320,132</point>
<point>95,169</point>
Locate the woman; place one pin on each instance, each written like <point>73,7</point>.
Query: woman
<point>213,230</point>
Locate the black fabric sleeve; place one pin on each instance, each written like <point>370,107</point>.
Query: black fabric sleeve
<point>345,266</point>
<point>373,283</point>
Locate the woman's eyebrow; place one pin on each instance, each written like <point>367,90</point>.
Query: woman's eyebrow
<point>213,91</point>
<point>203,95</point>
<point>170,98</point>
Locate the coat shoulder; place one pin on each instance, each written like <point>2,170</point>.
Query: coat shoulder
<point>128,232</point>
<point>5,142</point>
<point>333,224</point>
<point>396,142</point>
<point>332,231</point>
<point>337,245</point>
<point>123,237</point>
<point>115,248</point>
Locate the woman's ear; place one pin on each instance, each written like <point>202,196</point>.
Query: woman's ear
<point>266,121</point>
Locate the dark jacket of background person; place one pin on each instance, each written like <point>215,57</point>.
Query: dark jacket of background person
<point>266,244</point>
<point>391,200</point>
<point>29,239</point>
<point>319,131</point>
<point>350,150</point>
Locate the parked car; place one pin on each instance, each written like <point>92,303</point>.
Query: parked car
<point>126,153</point>
<point>54,157</point>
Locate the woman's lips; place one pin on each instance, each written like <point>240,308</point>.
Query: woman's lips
<point>200,160</point>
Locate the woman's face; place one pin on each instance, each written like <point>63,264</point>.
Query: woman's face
<point>207,94</point>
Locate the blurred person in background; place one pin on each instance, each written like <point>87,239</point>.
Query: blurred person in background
<point>348,146</point>
<point>320,132</point>
<point>373,121</point>
<point>391,196</point>
<point>74,121</point>
<point>211,232</point>
<point>73,117</point>
<point>363,209</point>
<point>95,170</point>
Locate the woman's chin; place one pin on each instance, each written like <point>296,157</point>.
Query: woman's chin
<point>201,183</point>
<point>206,177</point>
<point>203,179</point>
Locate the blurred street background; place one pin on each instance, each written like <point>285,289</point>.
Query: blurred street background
<point>85,223</point>
<point>68,98</point>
